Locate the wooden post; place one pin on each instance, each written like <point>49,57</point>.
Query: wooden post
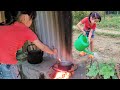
<point>2,16</point>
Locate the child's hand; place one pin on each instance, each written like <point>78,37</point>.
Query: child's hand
<point>54,51</point>
<point>84,33</point>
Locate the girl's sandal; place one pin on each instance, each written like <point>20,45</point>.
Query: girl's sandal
<point>82,53</point>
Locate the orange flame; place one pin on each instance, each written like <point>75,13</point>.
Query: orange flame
<point>62,75</point>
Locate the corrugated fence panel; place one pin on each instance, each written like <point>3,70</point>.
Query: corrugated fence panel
<point>51,32</point>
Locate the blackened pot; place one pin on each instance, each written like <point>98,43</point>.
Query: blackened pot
<point>34,56</point>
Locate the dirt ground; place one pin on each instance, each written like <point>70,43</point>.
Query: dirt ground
<point>107,48</point>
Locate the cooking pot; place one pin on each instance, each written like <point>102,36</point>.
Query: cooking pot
<point>34,56</point>
<point>65,65</point>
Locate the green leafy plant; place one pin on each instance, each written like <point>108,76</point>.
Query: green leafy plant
<point>93,71</point>
<point>106,70</point>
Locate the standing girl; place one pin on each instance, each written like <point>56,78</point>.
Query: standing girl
<point>89,28</point>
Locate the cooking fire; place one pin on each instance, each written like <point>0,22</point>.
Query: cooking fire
<point>62,70</point>
<point>62,75</point>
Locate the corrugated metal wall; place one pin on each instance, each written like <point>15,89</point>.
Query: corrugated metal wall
<point>54,28</point>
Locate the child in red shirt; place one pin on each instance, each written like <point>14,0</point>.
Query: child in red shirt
<point>12,38</point>
<point>89,27</point>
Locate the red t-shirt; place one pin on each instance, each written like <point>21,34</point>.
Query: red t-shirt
<point>87,24</point>
<point>12,38</point>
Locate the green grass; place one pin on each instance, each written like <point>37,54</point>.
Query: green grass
<point>75,30</point>
<point>108,34</point>
<point>111,22</point>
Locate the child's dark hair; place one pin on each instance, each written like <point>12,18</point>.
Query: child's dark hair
<point>32,14</point>
<point>94,15</point>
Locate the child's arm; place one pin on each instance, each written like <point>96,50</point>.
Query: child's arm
<point>44,48</point>
<point>79,25</point>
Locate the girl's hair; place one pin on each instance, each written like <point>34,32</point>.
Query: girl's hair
<point>94,15</point>
<point>13,16</point>
<point>32,14</point>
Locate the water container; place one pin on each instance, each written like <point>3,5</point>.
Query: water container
<point>81,43</point>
